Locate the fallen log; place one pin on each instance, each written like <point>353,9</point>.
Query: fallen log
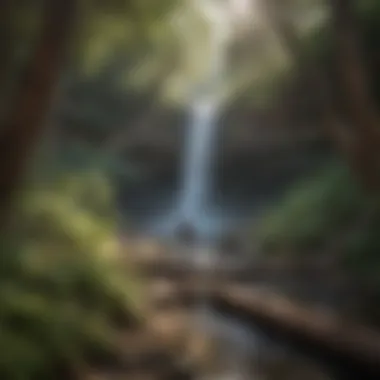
<point>331,332</point>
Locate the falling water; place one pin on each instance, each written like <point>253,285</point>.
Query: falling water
<point>197,178</point>
<point>197,171</point>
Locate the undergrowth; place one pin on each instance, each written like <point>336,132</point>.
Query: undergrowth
<point>64,286</point>
<point>329,207</point>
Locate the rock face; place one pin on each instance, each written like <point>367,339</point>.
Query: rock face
<point>244,134</point>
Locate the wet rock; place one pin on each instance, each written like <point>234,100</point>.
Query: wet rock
<point>230,245</point>
<point>147,250</point>
<point>162,291</point>
<point>186,233</point>
<point>204,352</point>
<point>171,327</point>
<point>142,355</point>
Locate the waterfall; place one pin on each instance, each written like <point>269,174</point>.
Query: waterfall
<point>192,204</point>
<point>197,178</point>
<point>199,152</point>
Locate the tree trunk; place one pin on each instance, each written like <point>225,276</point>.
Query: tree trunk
<point>358,141</point>
<point>359,103</point>
<point>24,124</point>
<point>334,128</point>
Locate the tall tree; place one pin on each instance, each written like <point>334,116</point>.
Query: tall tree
<point>24,123</point>
<point>354,81</point>
<point>356,133</point>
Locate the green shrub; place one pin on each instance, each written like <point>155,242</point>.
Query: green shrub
<point>63,283</point>
<point>313,212</point>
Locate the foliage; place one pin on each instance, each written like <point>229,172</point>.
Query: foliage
<point>362,255</point>
<point>63,283</point>
<point>138,31</point>
<point>313,212</point>
<point>327,208</point>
